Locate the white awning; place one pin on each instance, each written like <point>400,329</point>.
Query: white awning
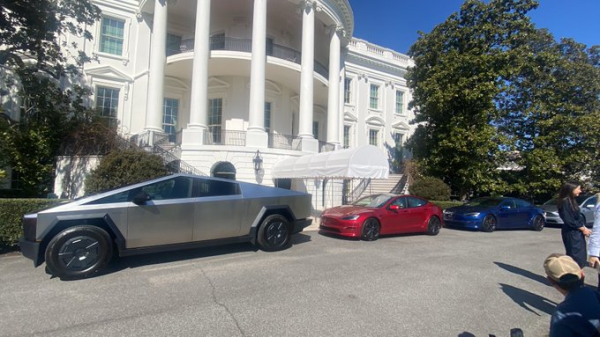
<point>366,161</point>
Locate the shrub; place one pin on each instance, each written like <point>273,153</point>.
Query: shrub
<point>11,216</point>
<point>124,167</point>
<point>447,204</point>
<point>430,188</point>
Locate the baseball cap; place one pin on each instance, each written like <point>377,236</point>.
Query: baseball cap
<point>558,265</point>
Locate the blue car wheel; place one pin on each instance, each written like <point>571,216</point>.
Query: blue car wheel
<point>538,223</point>
<point>489,223</point>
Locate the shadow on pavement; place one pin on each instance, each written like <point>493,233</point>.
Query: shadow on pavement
<point>528,300</point>
<point>300,238</point>
<point>523,272</point>
<point>126,262</point>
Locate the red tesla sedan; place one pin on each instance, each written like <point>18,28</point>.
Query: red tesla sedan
<point>382,214</point>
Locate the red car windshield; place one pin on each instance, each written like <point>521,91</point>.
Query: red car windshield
<point>374,201</point>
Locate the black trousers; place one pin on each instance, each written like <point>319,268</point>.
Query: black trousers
<point>574,242</point>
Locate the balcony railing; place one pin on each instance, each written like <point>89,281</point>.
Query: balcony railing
<point>225,137</point>
<point>326,147</point>
<point>279,141</point>
<point>275,140</point>
<point>245,45</point>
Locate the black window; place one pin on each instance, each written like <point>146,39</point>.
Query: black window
<point>176,188</point>
<point>214,188</point>
<point>416,202</point>
<point>590,202</point>
<point>522,203</point>
<point>217,41</point>
<point>508,203</point>
<point>173,44</point>
<point>400,202</point>
<point>119,197</point>
<point>283,183</point>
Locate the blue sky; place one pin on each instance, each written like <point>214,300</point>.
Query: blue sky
<point>394,23</point>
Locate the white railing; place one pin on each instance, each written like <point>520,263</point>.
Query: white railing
<point>377,50</point>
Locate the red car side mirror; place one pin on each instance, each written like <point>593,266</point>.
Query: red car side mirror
<point>394,207</point>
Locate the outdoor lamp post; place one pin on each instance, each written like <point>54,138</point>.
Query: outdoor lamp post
<point>257,162</point>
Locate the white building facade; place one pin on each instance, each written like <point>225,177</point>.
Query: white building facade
<point>223,82</point>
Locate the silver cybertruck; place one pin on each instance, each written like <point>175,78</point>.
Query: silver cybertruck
<point>175,212</point>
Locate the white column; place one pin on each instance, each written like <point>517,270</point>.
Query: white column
<point>256,136</point>
<point>341,99</point>
<point>309,143</point>
<point>156,77</point>
<point>194,133</point>
<point>333,100</point>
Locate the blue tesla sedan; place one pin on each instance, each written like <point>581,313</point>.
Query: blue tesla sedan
<point>491,213</point>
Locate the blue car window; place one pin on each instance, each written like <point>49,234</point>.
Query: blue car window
<point>522,203</point>
<point>484,202</point>
<point>508,203</point>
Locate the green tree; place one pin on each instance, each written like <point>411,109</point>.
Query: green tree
<point>29,30</point>
<point>459,70</point>
<point>124,167</point>
<point>550,109</point>
<point>430,188</point>
<point>48,116</point>
<point>35,60</point>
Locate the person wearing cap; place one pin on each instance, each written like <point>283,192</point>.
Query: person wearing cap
<point>579,313</point>
<point>594,243</point>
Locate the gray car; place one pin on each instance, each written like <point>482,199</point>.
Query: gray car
<point>175,212</point>
<point>586,207</point>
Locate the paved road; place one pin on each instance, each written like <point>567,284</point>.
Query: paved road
<point>456,284</point>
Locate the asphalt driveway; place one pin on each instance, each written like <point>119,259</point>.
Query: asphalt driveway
<point>459,283</point>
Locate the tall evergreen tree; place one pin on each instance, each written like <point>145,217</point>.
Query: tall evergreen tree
<point>459,69</point>
<point>550,109</point>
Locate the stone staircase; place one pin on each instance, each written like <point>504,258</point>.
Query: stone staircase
<point>168,151</point>
<point>390,185</point>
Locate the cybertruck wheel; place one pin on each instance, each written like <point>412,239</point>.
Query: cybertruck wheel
<point>78,252</point>
<point>274,233</point>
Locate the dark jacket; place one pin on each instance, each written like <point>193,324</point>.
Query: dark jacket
<point>578,315</point>
<point>572,219</point>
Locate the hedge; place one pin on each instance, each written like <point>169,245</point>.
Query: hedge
<point>430,188</point>
<point>447,204</point>
<point>11,217</point>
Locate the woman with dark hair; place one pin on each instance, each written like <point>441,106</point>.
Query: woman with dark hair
<point>573,228</point>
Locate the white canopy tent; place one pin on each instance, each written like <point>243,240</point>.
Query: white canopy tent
<point>366,161</point>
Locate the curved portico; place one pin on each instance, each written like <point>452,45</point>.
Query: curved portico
<point>216,40</point>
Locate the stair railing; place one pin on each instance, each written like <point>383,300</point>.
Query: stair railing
<point>401,185</point>
<point>359,189</point>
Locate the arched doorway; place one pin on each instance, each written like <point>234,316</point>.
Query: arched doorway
<point>224,170</point>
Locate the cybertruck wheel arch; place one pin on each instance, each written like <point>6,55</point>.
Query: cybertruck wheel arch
<point>61,223</point>
<point>265,211</point>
